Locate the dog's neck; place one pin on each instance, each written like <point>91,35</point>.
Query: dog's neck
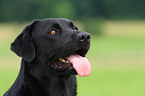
<point>55,87</point>
<point>35,82</point>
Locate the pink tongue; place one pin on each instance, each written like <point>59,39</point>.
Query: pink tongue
<point>81,64</point>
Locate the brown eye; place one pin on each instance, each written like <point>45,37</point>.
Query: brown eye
<point>53,32</point>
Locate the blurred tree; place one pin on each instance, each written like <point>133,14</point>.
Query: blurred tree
<point>90,8</point>
<point>125,9</point>
<point>25,10</point>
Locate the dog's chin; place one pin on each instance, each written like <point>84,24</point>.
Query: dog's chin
<point>62,64</point>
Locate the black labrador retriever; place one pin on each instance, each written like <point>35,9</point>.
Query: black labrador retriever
<point>47,48</point>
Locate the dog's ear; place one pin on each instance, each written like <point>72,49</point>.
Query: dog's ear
<point>23,45</point>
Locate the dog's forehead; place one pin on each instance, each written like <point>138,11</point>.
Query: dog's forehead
<point>60,21</point>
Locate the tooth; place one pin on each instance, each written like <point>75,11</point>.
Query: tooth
<point>63,60</point>
<point>66,61</point>
<point>60,59</point>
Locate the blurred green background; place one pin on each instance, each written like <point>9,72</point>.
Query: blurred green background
<point>117,53</point>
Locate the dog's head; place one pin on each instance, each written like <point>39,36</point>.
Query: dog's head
<point>49,42</point>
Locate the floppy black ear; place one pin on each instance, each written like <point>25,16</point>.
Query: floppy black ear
<point>23,45</point>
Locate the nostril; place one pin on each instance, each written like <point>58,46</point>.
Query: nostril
<point>82,37</point>
<point>88,37</point>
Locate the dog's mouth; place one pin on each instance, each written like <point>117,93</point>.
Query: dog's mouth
<point>75,60</point>
<point>62,64</point>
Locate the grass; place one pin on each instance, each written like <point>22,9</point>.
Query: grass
<point>112,83</point>
<point>118,64</point>
<point>7,78</point>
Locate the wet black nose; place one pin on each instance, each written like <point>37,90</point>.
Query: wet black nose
<point>83,36</point>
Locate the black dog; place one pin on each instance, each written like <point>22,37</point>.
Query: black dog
<point>44,47</point>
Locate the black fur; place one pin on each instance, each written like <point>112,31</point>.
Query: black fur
<point>39,50</point>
